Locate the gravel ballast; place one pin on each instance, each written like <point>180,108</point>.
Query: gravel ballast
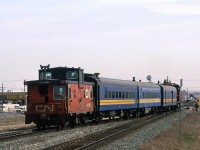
<point>128,142</point>
<point>144,134</point>
<point>53,138</point>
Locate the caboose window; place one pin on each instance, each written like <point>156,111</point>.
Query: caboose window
<point>41,75</point>
<point>59,92</point>
<point>45,75</point>
<point>91,93</point>
<point>84,94</point>
<point>48,75</point>
<point>74,93</point>
<point>72,75</point>
<point>69,92</point>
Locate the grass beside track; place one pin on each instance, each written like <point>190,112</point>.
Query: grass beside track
<point>11,121</point>
<point>175,139</point>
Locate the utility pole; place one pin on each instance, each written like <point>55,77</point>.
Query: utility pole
<point>180,100</point>
<point>25,102</point>
<point>2,88</point>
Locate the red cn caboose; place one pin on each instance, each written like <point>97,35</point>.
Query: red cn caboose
<point>60,96</point>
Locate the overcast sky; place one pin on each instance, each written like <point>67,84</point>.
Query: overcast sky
<point>117,38</point>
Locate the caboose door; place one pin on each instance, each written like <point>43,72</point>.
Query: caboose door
<point>73,97</point>
<point>69,98</point>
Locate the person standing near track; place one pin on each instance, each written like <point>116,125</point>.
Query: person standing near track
<point>196,106</point>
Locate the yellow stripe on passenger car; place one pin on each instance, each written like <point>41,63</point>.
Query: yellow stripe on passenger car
<point>149,100</point>
<point>116,102</point>
<point>170,100</point>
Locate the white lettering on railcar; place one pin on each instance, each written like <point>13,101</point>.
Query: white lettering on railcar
<point>44,108</point>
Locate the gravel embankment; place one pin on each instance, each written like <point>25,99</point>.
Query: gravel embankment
<point>132,141</point>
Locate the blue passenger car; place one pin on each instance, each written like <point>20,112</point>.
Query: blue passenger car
<point>114,97</point>
<point>149,95</point>
<point>169,96</point>
<point>117,94</point>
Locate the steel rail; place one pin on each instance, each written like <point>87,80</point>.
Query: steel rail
<point>24,132</point>
<point>11,134</point>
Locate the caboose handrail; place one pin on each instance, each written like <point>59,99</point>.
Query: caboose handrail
<point>66,98</point>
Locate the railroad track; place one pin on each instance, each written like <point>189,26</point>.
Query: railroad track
<point>25,132</point>
<point>95,140</point>
<point>12,134</point>
<point>31,131</point>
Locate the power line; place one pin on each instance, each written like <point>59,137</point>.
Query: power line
<point>193,87</point>
<point>11,80</point>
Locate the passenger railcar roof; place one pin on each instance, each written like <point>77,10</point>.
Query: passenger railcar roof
<point>117,82</point>
<point>167,87</point>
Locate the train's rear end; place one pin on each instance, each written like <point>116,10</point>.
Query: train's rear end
<point>60,96</point>
<point>43,107</point>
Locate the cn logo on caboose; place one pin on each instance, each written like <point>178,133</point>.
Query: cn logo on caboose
<point>44,108</point>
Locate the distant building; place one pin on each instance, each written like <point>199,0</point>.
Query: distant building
<point>13,98</point>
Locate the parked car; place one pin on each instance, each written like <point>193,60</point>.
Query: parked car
<point>21,109</point>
